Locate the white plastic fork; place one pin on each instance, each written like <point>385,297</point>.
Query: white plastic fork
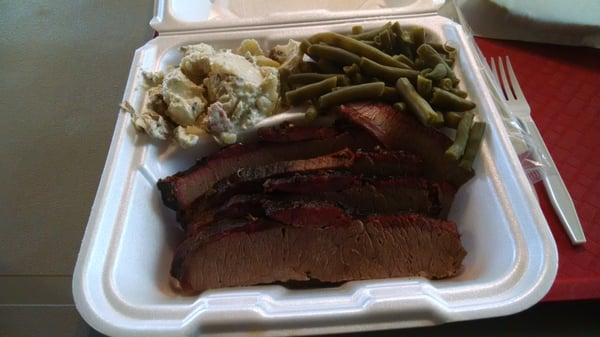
<point>555,187</point>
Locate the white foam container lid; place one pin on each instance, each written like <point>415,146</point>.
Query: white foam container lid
<point>121,282</point>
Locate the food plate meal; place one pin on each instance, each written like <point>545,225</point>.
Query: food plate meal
<point>302,180</point>
<point>365,198</point>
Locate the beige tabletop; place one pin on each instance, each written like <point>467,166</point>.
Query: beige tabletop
<point>63,68</point>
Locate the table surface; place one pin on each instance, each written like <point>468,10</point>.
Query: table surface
<point>64,66</point>
<point>562,86</point>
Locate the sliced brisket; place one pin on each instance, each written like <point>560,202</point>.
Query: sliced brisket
<point>249,179</point>
<point>247,252</point>
<point>400,130</point>
<point>180,190</point>
<point>351,195</point>
<point>343,159</point>
<point>387,163</point>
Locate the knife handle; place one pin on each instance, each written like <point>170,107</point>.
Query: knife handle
<point>557,191</point>
<point>564,207</point>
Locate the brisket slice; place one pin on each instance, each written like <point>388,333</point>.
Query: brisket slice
<point>359,197</point>
<point>296,211</point>
<point>287,132</point>
<point>401,130</point>
<point>371,195</point>
<point>374,163</point>
<point>181,189</point>
<point>312,183</point>
<point>368,163</point>
<point>250,179</point>
<point>387,163</point>
<point>258,251</point>
<point>342,159</point>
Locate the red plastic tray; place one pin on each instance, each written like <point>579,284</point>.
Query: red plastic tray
<point>562,86</point>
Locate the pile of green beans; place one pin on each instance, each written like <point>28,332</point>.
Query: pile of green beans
<point>393,64</point>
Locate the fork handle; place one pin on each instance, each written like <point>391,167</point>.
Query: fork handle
<point>557,191</point>
<point>564,207</point>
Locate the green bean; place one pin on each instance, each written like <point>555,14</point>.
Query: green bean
<point>307,78</point>
<point>343,81</point>
<point>390,95</point>
<point>431,58</point>
<point>473,144</point>
<point>333,54</point>
<point>403,46</point>
<point>311,113</point>
<point>355,46</point>
<point>327,67</point>
<point>437,73</point>
<point>456,175</point>
<point>399,106</point>
<point>358,78</point>
<point>452,118</point>
<point>456,150</point>
<point>309,91</point>
<point>396,29</point>
<point>385,40</point>
<point>357,29</point>
<point>370,35</point>
<point>417,35</point>
<point>369,43</point>
<point>417,105</point>
<point>446,100</point>
<point>401,64</point>
<point>442,48</point>
<point>386,73</point>
<point>458,92</point>
<point>304,45</point>
<point>424,86</point>
<point>353,73</point>
<point>419,64</point>
<point>284,74</point>
<point>404,59</point>
<point>352,93</point>
<point>351,70</point>
<point>444,84</point>
<point>452,55</point>
<point>307,67</point>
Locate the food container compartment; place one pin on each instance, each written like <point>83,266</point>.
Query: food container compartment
<point>122,287</point>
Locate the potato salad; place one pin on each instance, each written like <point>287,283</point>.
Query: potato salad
<point>212,91</point>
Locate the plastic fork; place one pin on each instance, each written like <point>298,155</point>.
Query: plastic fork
<point>555,187</point>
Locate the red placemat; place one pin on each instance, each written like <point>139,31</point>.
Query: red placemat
<point>562,86</point>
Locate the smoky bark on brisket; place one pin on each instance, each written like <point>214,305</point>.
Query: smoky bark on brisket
<point>250,179</point>
<point>181,189</point>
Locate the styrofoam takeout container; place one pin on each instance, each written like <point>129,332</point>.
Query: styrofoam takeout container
<point>121,284</point>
